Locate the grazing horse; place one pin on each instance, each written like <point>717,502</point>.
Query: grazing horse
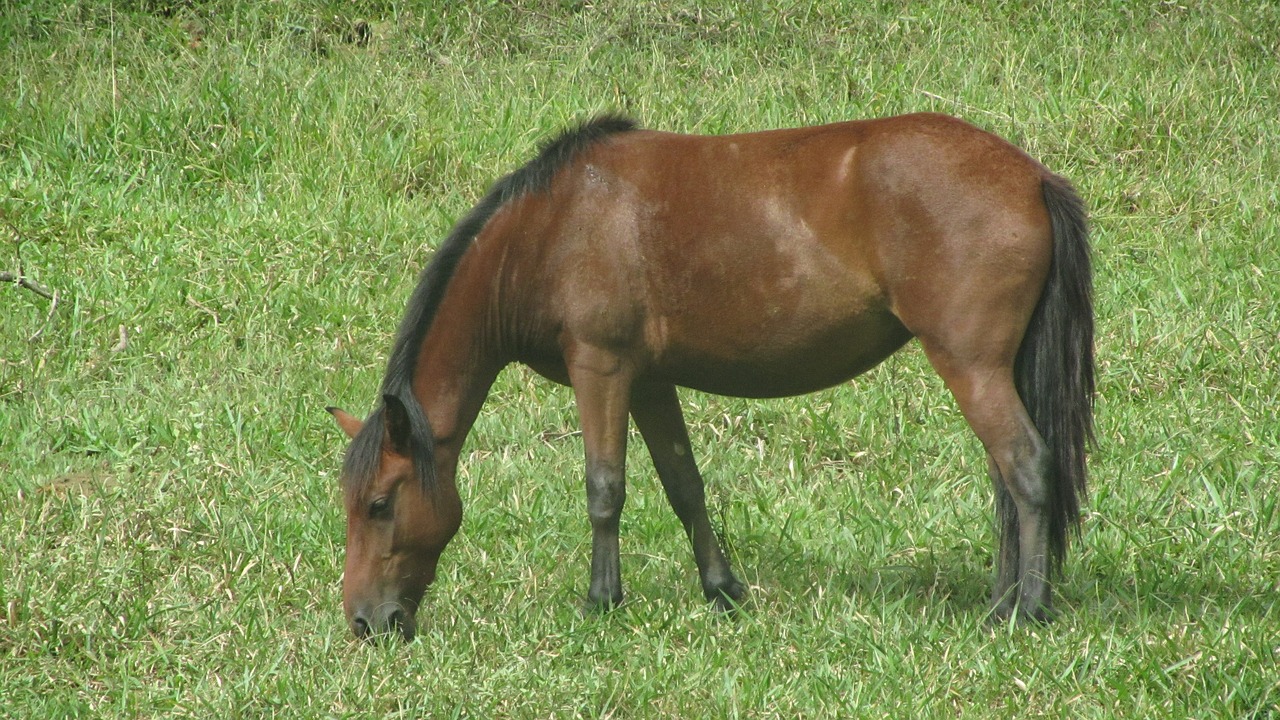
<point>624,262</point>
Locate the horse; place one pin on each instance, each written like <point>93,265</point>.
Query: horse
<point>624,262</point>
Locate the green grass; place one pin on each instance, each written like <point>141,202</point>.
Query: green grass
<point>232,201</point>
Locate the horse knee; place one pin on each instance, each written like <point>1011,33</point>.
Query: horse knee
<point>606,494</point>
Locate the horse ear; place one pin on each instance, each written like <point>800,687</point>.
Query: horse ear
<point>399,429</point>
<point>349,423</point>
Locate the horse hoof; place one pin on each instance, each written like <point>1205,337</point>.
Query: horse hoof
<point>1039,615</point>
<point>728,598</point>
<point>600,606</point>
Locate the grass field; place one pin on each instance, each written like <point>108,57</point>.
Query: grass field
<point>228,204</point>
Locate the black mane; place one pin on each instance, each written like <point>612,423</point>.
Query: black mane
<point>535,176</point>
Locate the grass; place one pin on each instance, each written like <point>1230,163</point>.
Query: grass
<point>232,200</point>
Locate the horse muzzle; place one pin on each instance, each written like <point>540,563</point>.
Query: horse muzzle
<point>382,622</point>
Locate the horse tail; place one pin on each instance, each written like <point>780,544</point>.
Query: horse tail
<point>1054,371</point>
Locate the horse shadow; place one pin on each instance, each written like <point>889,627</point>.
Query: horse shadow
<point>956,580</point>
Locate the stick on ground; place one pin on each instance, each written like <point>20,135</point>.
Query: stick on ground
<point>27,283</point>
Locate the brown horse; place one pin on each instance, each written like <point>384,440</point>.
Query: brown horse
<point>625,262</point>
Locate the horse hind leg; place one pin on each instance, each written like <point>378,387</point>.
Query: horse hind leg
<point>1019,465</point>
<point>1004,596</point>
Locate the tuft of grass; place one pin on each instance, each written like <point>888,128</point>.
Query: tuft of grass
<point>231,202</point>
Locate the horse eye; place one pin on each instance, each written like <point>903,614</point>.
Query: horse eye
<point>380,508</point>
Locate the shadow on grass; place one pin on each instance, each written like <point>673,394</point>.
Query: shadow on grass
<point>932,580</point>
<point>957,580</point>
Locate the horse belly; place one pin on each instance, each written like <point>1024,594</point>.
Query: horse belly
<point>779,357</point>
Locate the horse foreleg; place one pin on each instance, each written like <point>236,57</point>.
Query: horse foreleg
<point>656,410</point>
<point>601,387</point>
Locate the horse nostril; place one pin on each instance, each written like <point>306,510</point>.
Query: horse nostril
<point>398,621</point>
<point>360,627</point>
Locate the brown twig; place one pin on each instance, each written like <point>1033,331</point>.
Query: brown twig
<point>201,306</point>
<point>27,283</point>
<point>53,307</point>
<point>18,278</point>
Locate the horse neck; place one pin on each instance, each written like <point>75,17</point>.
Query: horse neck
<point>459,358</point>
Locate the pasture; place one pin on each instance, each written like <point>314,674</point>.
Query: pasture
<point>221,209</point>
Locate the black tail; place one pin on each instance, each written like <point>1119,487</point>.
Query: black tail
<point>1054,367</point>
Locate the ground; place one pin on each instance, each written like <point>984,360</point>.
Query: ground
<point>229,204</point>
